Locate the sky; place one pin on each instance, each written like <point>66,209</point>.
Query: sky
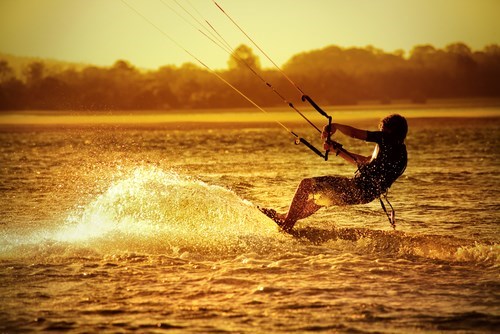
<point>103,31</point>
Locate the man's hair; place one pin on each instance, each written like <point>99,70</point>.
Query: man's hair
<point>396,126</point>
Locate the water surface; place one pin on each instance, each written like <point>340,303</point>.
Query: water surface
<point>117,229</point>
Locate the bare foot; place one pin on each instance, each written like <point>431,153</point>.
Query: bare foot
<point>279,218</point>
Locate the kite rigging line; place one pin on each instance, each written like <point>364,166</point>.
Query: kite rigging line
<point>201,62</point>
<point>304,97</point>
<point>213,35</point>
<point>219,41</point>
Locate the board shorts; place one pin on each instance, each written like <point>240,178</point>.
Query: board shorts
<point>340,191</point>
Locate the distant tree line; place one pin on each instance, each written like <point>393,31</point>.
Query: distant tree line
<point>332,75</point>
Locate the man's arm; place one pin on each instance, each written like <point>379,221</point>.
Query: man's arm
<point>353,158</point>
<point>351,131</point>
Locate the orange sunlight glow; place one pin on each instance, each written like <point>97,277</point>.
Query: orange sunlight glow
<point>100,32</point>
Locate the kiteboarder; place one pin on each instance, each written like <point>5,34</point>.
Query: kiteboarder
<point>374,176</point>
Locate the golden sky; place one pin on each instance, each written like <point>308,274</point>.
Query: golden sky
<point>102,31</point>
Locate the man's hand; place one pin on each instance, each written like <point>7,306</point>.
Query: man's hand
<point>328,131</point>
<point>327,146</point>
<point>331,145</point>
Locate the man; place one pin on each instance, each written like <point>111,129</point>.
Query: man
<point>374,176</point>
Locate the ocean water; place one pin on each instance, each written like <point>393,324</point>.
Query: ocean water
<point>154,229</point>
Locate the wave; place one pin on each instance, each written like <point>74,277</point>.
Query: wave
<point>436,247</point>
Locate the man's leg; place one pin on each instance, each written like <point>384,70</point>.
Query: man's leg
<point>302,205</point>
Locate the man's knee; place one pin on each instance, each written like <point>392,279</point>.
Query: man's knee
<point>307,183</point>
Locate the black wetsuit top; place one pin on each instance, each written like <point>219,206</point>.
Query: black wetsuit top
<point>375,177</point>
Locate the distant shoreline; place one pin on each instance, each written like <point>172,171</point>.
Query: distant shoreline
<point>249,117</point>
<point>361,106</point>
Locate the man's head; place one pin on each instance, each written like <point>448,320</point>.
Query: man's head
<point>395,126</point>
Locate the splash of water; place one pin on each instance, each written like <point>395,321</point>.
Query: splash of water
<point>154,209</point>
